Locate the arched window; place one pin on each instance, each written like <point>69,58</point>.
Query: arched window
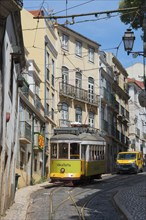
<point>91,119</point>
<point>78,80</point>
<point>64,74</point>
<point>64,79</point>
<point>78,84</point>
<point>78,114</point>
<point>91,89</point>
<point>64,114</point>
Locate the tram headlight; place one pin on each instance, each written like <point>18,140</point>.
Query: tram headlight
<point>62,170</point>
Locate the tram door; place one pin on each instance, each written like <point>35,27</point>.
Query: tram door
<point>83,158</point>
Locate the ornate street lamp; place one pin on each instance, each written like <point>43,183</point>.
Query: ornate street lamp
<point>128,40</point>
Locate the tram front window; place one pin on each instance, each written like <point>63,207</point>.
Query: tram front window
<point>63,151</point>
<point>54,151</point>
<point>74,151</point>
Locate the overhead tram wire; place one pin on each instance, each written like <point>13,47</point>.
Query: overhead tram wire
<point>86,14</point>
<point>73,7</point>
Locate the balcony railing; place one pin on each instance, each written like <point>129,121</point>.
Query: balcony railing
<point>25,132</point>
<point>64,123</point>
<point>78,93</point>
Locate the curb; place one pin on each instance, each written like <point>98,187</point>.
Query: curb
<point>122,207</point>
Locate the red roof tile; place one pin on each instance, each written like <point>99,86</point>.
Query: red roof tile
<point>37,13</point>
<point>138,83</point>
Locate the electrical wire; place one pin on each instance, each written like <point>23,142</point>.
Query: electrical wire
<point>73,7</point>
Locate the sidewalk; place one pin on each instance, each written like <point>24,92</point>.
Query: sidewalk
<point>19,209</point>
<point>130,200</point>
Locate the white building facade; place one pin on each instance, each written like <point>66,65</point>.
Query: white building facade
<point>12,61</point>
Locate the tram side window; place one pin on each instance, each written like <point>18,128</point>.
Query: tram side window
<point>74,151</point>
<point>100,153</point>
<point>63,151</point>
<point>96,152</point>
<point>54,151</point>
<point>83,152</point>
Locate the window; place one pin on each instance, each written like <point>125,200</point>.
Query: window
<point>78,85</point>
<point>52,72</point>
<point>78,80</point>
<point>78,48</point>
<point>91,89</point>
<point>47,95</point>
<point>64,78</point>
<point>47,73</point>
<point>11,80</point>
<point>64,74</point>
<point>91,119</point>
<point>74,151</point>
<point>47,66</point>
<point>79,114</point>
<point>64,114</point>
<point>47,109</point>
<point>65,40</point>
<point>37,90</point>
<point>54,151</point>
<point>96,152</point>
<point>63,151</point>
<point>91,54</point>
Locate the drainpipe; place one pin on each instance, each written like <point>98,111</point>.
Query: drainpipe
<point>32,153</point>
<point>43,152</point>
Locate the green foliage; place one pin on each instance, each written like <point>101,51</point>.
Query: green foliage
<point>134,18</point>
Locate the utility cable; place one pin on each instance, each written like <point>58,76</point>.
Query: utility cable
<point>73,7</point>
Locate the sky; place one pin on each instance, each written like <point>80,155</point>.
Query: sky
<point>106,31</point>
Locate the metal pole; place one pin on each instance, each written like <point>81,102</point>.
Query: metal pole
<point>32,153</point>
<point>43,152</point>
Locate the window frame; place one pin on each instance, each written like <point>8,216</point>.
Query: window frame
<point>65,42</point>
<point>91,52</point>
<point>78,49</point>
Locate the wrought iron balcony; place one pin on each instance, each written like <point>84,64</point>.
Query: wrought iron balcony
<point>78,93</point>
<point>64,123</point>
<point>25,132</point>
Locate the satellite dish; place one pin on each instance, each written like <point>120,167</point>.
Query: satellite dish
<point>142,98</point>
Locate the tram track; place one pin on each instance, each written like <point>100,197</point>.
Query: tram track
<point>77,201</point>
<point>81,210</point>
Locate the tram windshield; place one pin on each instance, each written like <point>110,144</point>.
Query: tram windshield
<point>63,151</point>
<point>74,151</point>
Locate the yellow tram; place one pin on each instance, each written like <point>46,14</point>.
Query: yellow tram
<point>76,155</point>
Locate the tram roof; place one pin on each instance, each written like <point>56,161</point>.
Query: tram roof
<point>85,138</point>
<point>65,137</point>
<point>91,137</point>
